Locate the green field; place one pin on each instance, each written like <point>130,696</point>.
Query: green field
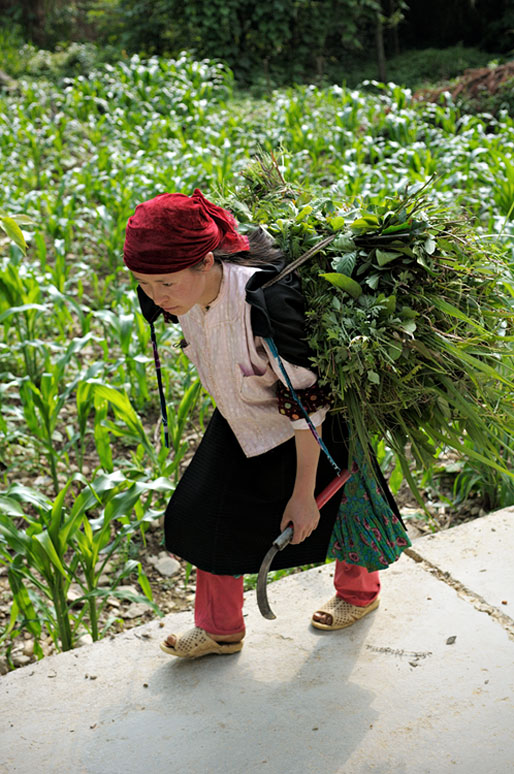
<point>78,414</point>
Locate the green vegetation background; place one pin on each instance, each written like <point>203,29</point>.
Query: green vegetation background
<point>91,127</point>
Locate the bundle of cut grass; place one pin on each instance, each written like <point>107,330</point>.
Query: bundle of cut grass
<point>410,314</point>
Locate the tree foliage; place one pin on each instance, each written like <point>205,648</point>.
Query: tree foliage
<point>293,38</point>
<point>247,34</point>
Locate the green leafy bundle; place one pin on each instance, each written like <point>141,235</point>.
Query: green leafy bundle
<point>410,314</point>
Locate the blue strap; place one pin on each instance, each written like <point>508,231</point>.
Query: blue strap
<point>274,351</point>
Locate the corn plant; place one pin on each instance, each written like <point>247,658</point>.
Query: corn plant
<point>125,329</point>
<point>43,402</point>
<point>127,425</point>
<point>23,314</point>
<point>45,553</point>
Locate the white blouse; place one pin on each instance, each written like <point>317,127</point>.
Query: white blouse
<point>238,370</point>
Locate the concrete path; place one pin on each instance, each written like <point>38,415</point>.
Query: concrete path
<point>424,685</point>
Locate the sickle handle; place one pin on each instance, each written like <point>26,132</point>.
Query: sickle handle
<point>284,538</point>
<point>282,541</point>
<point>330,490</point>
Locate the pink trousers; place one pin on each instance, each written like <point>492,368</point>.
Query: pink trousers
<point>219,598</point>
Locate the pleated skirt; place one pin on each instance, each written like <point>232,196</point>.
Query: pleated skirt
<point>227,508</point>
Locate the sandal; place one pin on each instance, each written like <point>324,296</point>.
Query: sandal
<point>196,642</point>
<point>343,614</point>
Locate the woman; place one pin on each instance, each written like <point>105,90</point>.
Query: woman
<point>258,467</point>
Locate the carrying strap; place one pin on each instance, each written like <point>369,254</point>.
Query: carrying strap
<point>271,344</point>
<point>151,312</point>
<point>274,351</point>
<point>164,412</point>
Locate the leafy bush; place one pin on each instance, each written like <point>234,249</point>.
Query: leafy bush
<point>15,53</point>
<point>66,61</point>
<point>416,68</point>
<point>483,101</point>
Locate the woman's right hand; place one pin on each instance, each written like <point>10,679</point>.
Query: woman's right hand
<point>303,515</point>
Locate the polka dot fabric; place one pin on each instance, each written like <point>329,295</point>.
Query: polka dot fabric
<point>311,398</point>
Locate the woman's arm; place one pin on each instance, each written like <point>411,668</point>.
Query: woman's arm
<point>301,510</point>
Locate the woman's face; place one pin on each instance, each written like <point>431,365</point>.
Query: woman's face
<point>179,291</point>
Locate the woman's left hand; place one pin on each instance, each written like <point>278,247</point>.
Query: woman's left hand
<point>303,514</point>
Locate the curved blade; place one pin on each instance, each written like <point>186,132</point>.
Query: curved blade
<point>262,579</point>
<point>284,538</point>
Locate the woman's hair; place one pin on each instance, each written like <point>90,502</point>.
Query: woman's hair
<point>262,250</point>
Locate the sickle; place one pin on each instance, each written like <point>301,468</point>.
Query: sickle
<point>284,539</point>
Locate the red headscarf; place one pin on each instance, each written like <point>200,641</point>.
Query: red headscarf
<point>174,231</point>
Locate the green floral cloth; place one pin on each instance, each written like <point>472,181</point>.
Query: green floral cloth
<point>366,532</point>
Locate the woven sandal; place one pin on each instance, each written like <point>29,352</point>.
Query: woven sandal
<point>343,613</point>
<point>196,642</point>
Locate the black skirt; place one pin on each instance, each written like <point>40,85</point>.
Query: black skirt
<point>227,508</point>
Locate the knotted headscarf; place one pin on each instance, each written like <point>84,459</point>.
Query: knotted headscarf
<point>173,231</point>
